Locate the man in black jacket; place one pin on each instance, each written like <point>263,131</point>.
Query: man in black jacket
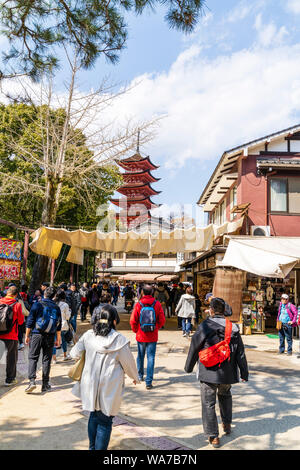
<point>217,380</point>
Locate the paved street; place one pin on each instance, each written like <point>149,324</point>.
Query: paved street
<point>266,409</point>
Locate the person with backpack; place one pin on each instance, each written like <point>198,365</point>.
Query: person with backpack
<point>177,295</point>
<point>218,349</point>
<point>146,319</point>
<point>186,311</point>
<point>107,359</point>
<point>11,317</point>
<point>60,299</point>
<point>94,298</point>
<point>161,294</point>
<point>84,301</point>
<point>43,323</point>
<point>74,301</point>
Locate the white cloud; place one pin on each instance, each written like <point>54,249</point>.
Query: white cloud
<point>240,12</point>
<point>243,9</point>
<point>269,34</point>
<point>293,6</point>
<point>215,104</point>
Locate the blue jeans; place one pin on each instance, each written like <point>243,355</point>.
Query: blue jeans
<point>99,430</point>
<point>186,325</point>
<point>64,345</point>
<point>286,332</point>
<point>73,321</point>
<point>150,348</point>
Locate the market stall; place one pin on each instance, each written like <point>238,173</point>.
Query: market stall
<point>271,267</point>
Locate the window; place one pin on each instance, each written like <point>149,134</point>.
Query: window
<point>134,255</point>
<point>217,217</point>
<point>165,255</point>
<point>294,195</point>
<point>233,201</point>
<point>285,195</point>
<point>278,195</point>
<point>222,213</point>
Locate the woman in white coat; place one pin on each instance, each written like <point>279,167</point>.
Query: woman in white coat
<point>186,310</point>
<point>107,359</point>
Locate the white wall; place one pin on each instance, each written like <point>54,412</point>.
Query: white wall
<point>280,145</point>
<point>295,145</point>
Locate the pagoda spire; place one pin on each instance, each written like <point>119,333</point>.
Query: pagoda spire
<point>138,142</point>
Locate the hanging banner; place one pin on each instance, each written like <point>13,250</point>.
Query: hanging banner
<point>10,249</point>
<point>10,259</point>
<point>10,270</point>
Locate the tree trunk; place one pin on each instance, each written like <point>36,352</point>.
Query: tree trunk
<point>39,273</point>
<point>41,264</point>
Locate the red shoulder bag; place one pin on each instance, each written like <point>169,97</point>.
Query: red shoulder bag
<point>219,352</point>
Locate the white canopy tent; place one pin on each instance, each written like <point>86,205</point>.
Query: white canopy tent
<point>264,256</point>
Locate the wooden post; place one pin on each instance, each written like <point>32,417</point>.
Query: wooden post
<point>72,272</point>
<point>94,268</point>
<point>25,257</point>
<point>86,267</point>
<point>52,272</point>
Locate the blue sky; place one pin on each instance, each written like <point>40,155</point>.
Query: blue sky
<point>253,41</point>
<point>235,78</point>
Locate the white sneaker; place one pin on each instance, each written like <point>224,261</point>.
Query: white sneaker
<point>67,358</point>
<point>54,361</point>
<point>183,334</point>
<point>10,384</point>
<point>21,347</point>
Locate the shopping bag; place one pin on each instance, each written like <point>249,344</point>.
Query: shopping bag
<point>75,371</point>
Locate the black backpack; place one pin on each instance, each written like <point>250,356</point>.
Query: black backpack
<point>6,318</point>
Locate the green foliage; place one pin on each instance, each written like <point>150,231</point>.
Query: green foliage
<point>22,174</point>
<point>92,27</point>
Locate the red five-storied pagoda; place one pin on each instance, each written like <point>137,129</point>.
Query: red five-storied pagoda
<point>136,205</point>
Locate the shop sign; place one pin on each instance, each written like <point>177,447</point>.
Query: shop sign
<point>211,262</point>
<point>10,259</point>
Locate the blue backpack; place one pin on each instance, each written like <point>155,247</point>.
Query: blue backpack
<point>147,317</point>
<point>47,323</point>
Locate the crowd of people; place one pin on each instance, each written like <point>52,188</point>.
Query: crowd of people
<point>48,320</point>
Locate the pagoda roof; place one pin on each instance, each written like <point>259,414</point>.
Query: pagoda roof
<point>142,188</point>
<point>146,201</point>
<point>145,215</point>
<point>137,161</point>
<point>141,175</point>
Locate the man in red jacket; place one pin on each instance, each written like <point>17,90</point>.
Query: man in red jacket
<point>147,340</point>
<point>11,339</point>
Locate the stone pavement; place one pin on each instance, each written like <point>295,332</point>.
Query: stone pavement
<point>266,411</point>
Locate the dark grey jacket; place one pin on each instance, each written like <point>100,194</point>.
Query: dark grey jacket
<point>210,332</point>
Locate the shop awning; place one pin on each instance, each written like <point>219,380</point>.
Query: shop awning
<point>147,277</point>
<point>166,278</point>
<point>140,277</point>
<point>48,241</point>
<point>263,256</point>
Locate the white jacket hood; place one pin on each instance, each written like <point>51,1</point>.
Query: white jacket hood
<point>111,343</point>
<point>188,297</point>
